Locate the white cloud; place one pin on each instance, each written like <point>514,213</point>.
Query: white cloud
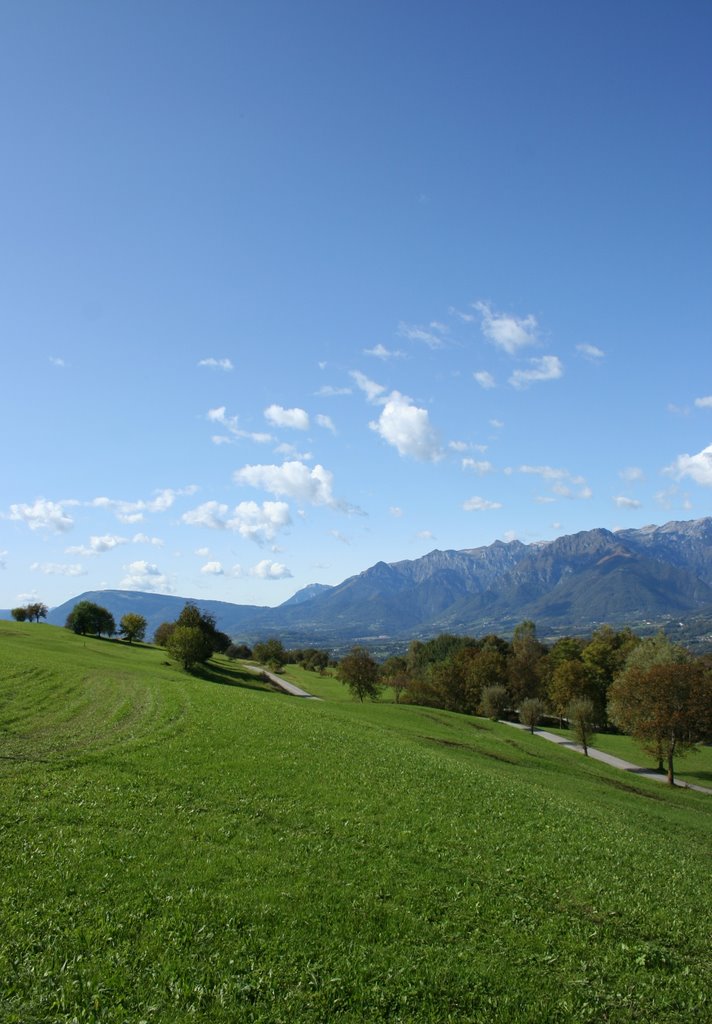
<point>98,545</point>
<point>458,446</point>
<point>294,479</point>
<point>44,515</point>
<point>698,467</point>
<point>326,422</point>
<point>142,538</point>
<point>290,451</point>
<point>415,333</point>
<point>252,521</point>
<point>341,537</point>
<point>54,569</point>
<point>259,522</point>
<point>210,514</point>
<point>381,352</point>
<point>590,352</point>
<point>212,569</point>
<point>425,535</point>
<point>621,502</point>
<point>508,332</point>
<point>202,552</point>
<point>328,391</point>
<point>480,467</point>
<point>143,575</point>
<point>396,512</point>
<point>217,364</point>
<point>562,482</point>
<point>497,424</point>
<point>133,511</point>
<point>57,361</point>
<point>373,390</point>
<point>704,403</point>
<point>478,504</point>
<point>631,473</point>
<point>545,368</point>
<point>408,429</point>
<point>485,379</point>
<point>219,415</point>
<point>295,419</point>
<point>267,570</point>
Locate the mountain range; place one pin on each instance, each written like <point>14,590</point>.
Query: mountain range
<point>645,578</point>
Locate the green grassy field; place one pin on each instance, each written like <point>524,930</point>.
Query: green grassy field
<point>180,848</point>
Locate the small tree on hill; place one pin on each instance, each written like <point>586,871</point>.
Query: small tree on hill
<point>30,612</point>
<point>189,645</point>
<point>162,633</point>
<point>494,702</point>
<point>359,672</point>
<point>531,712</point>
<point>133,627</point>
<point>238,651</point>
<point>87,617</point>
<point>271,653</point>
<point>582,719</point>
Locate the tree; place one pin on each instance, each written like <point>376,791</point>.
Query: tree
<point>582,719</point>
<point>359,672</point>
<point>162,633</point>
<point>666,707</point>
<point>394,673</point>
<point>569,681</point>
<point>133,627</point>
<point>235,651</point>
<point>30,612</point>
<point>271,653</point>
<point>531,712</point>
<point>189,645</point>
<point>37,611</point>
<point>655,650</point>
<point>494,702</point>
<point>87,617</point>
<point>524,663</point>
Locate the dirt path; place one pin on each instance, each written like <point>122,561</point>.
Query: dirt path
<point>615,762</point>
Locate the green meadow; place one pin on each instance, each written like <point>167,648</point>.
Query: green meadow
<point>183,847</point>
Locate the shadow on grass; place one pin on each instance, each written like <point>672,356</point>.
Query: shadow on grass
<point>226,676</point>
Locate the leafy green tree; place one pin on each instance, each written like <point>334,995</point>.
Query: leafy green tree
<point>162,633</point>
<point>235,651</point>
<point>570,680</point>
<point>531,712</point>
<point>394,673</point>
<point>190,645</point>
<point>36,611</point>
<point>494,702</point>
<point>271,653</point>
<point>359,672</point>
<point>30,612</point>
<point>133,627</point>
<point>525,669</point>
<point>88,617</point>
<point>581,714</point>
<point>667,707</point>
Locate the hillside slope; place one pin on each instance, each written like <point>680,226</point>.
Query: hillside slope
<point>177,849</point>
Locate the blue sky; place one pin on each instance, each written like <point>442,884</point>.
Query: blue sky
<point>290,288</point>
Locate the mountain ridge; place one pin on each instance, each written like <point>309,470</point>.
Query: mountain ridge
<point>571,584</point>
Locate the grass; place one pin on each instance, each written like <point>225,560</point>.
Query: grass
<point>175,849</point>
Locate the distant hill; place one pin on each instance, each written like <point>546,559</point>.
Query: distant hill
<point>644,578</point>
